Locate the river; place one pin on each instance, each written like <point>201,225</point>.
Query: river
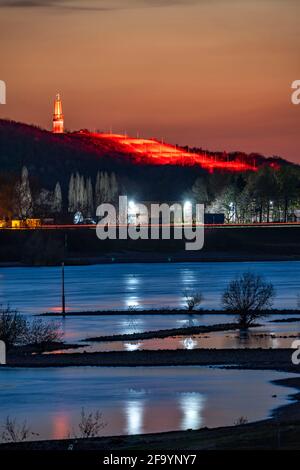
<point>136,400</point>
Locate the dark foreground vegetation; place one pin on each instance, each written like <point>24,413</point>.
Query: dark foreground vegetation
<point>263,435</point>
<point>17,331</point>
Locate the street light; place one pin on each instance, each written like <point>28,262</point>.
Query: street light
<point>131,205</point>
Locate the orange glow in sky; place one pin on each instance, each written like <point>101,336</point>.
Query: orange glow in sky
<point>210,74</point>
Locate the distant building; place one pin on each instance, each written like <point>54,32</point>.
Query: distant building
<point>297,215</point>
<point>24,223</point>
<point>58,118</point>
<point>16,223</point>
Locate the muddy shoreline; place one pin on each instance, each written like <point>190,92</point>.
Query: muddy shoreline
<point>162,311</point>
<point>272,359</point>
<point>192,330</point>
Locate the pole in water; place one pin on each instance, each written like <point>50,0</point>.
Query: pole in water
<point>63,303</point>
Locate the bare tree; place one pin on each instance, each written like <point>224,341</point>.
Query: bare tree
<point>249,295</point>
<point>98,189</point>
<point>23,197</point>
<point>192,299</point>
<point>57,199</point>
<point>40,333</point>
<point>16,330</point>
<point>44,202</point>
<point>114,187</point>
<point>13,326</point>
<point>200,191</point>
<point>90,198</point>
<point>90,424</point>
<point>15,432</point>
<point>241,420</point>
<point>71,195</point>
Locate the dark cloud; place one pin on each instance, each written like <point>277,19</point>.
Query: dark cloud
<point>23,3</point>
<point>28,3</point>
<point>94,5</point>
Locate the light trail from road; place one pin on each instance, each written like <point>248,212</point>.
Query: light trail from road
<point>255,225</point>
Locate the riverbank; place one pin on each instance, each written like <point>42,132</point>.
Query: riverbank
<point>192,330</point>
<point>155,258</point>
<point>264,242</point>
<point>272,359</point>
<point>52,346</point>
<point>162,311</point>
<point>281,431</point>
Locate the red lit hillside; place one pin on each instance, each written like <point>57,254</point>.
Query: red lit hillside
<point>52,154</point>
<point>153,152</point>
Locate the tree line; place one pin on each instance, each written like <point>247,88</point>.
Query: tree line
<point>23,199</point>
<point>266,195</point>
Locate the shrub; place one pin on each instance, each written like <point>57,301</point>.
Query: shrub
<point>39,332</point>
<point>13,327</point>
<point>241,420</point>
<point>90,424</point>
<point>15,330</point>
<point>249,296</point>
<point>15,432</point>
<point>192,299</point>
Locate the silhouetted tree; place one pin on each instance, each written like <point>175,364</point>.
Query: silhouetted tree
<point>57,199</point>
<point>249,296</point>
<point>23,198</point>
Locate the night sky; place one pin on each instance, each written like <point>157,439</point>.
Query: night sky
<point>210,73</point>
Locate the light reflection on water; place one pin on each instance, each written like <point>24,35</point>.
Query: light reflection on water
<point>132,346</point>
<point>189,343</point>
<point>269,335</point>
<point>134,412</point>
<point>78,328</point>
<point>192,405</point>
<point>135,400</point>
<point>142,285</point>
<point>131,286</point>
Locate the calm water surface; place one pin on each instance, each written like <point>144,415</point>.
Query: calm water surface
<point>140,285</point>
<point>269,335</point>
<point>137,400</point>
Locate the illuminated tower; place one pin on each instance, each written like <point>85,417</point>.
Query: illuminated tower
<point>58,118</point>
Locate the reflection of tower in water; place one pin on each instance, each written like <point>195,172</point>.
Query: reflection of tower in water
<point>192,405</point>
<point>134,411</point>
<point>256,338</point>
